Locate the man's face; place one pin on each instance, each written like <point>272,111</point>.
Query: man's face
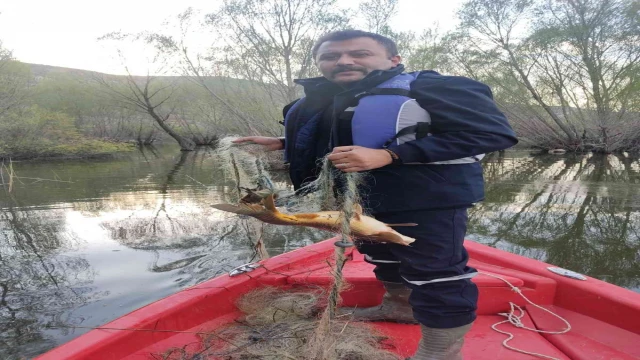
<point>347,61</point>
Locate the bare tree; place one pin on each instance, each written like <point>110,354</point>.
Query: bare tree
<point>270,41</point>
<point>430,50</point>
<point>148,95</point>
<point>223,104</point>
<point>578,60</point>
<point>493,25</point>
<point>250,74</point>
<point>377,14</point>
<point>590,53</point>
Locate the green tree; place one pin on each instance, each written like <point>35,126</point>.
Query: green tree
<point>30,132</point>
<point>15,79</point>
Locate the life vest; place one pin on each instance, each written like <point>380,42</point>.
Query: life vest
<point>386,114</point>
<point>382,116</point>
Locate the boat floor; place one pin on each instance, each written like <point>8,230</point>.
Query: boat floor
<point>211,304</point>
<point>403,340</point>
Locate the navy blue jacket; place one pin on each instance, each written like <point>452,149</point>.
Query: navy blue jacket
<point>465,121</point>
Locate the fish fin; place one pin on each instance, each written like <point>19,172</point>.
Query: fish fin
<point>270,204</point>
<point>403,224</point>
<point>243,209</point>
<point>396,238</point>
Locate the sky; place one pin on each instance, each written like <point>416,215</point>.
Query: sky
<point>64,32</point>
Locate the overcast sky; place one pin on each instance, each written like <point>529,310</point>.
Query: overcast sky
<point>64,32</point>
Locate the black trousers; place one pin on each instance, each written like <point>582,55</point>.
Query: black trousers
<point>434,266</point>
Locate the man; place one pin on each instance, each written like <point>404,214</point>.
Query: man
<point>420,136</point>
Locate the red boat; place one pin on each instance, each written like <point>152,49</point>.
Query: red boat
<point>604,318</point>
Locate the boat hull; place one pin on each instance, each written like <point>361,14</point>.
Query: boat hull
<point>605,318</point>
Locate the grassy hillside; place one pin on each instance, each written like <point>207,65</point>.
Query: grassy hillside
<point>70,112</point>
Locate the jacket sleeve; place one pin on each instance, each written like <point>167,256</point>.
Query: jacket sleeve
<point>465,121</point>
<point>288,131</point>
<point>286,109</point>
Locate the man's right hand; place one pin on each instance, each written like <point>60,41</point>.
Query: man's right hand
<point>269,143</point>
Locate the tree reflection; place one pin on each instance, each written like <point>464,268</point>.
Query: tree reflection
<point>37,283</point>
<point>154,202</point>
<point>208,241</point>
<point>161,216</point>
<point>582,211</point>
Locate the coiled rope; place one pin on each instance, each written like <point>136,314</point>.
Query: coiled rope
<point>516,320</point>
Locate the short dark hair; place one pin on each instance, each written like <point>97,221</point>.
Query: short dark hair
<point>341,35</point>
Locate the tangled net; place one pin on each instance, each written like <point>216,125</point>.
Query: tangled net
<point>248,167</point>
<point>279,324</point>
<point>245,165</point>
<point>293,325</point>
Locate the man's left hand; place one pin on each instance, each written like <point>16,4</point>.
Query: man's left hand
<point>358,158</point>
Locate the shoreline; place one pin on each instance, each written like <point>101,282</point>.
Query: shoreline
<point>129,147</point>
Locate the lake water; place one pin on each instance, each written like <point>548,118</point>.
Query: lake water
<point>85,241</point>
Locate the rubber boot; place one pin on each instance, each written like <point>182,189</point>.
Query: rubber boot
<point>394,307</point>
<point>441,344</point>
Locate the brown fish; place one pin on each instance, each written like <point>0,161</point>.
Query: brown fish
<point>362,226</point>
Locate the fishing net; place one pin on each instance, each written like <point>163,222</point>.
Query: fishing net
<point>248,167</point>
<point>280,324</point>
<point>245,166</point>
<point>284,325</point>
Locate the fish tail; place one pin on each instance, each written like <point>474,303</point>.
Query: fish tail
<point>239,209</point>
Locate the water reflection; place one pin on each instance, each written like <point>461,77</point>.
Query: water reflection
<point>579,212</point>
<point>118,234</point>
<point>37,283</point>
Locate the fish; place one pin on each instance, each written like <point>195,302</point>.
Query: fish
<point>262,207</point>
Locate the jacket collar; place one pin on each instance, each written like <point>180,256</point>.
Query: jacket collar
<point>320,86</point>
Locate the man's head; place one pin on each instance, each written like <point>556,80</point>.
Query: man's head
<point>349,55</point>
